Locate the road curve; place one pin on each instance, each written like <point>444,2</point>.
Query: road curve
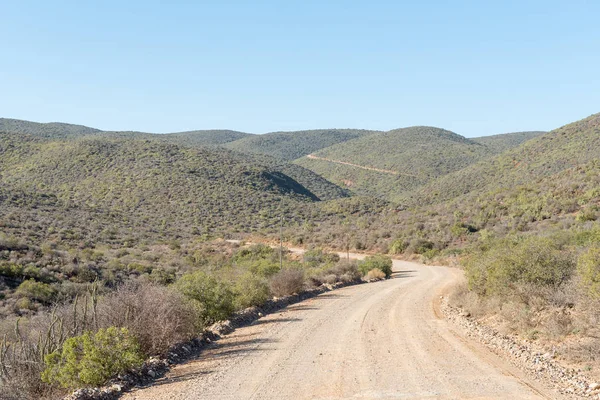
<point>383,340</point>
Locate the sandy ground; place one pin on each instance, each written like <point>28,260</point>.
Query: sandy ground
<point>383,340</point>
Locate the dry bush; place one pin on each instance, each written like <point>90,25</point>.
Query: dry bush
<point>28,386</point>
<point>287,281</point>
<point>346,271</point>
<point>374,275</point>
<point>157,316</point>
<point>586,350</point>
<point>24,344</point>
<point>477,306</point>
<point>558,323</point>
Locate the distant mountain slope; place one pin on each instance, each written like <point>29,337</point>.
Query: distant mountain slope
<point>59,130</point>
<point>46,130</point>
<point>501,143</point>
<point>412,156</point>
<point>150,186</point>
<point>565,148</point>
<point>206,137</point>
<point>293,145</point>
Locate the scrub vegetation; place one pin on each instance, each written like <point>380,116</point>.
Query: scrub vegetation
<point>117,239</point>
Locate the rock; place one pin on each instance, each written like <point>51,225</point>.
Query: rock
<point>116,388</point>
<point>152,373</point>
<point>594,386</point>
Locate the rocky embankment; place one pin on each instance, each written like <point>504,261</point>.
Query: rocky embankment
<point>537,362</point>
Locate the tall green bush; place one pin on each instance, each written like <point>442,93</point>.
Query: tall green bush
<point>251,290</point>
<point>505,263</point>
<point>213,298</point>
<point>380,262</point>
<point>92,359</point>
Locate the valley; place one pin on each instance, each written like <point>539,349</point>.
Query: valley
<point>91,219</point>
<point>299,200</point>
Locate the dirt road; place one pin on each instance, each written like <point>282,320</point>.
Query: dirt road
<point>383,340</point>
<point>385,171</point>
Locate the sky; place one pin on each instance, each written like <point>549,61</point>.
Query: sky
<point>474,67</point>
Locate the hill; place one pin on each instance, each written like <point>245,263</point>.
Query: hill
<point>292,145</point>
<point>46,130</point>
<point>59,130</point>
<point>565,148</point>
<point>506,141</point>
<point>391,164</point>
<point>136,187</point>
<point>205,137</point>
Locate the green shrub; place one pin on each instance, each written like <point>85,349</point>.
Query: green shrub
<point>398,246</point>
<point>315,257</point>
<point>11,270</point>
<point>92,359</point>
<point>506,263</point>
<point>214,299</point>
<point>431,254</point>
<point>588,267</point>
<point>588,237</point>
<point>264,268</point>
<point>586,215</point>
<point>381,262</point>
<point>255,252</point>
<point>162,276</point>
<point>38,291</point>
<point>419,246</point>
<point>251,290</point>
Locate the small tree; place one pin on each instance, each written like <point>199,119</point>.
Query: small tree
<point>92,359</point>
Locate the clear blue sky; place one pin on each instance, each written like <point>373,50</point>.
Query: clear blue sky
<point>473,67</point>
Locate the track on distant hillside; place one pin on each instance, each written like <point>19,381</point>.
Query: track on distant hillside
<point>383,340</point>
<point>384,171</point>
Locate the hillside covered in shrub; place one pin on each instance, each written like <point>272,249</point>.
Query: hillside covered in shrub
<point>121,185</point>
<point>402,160</point>
<point>292,145</point>
<point>101,219</point>
<point>59,130</point>
<point>568,147</point>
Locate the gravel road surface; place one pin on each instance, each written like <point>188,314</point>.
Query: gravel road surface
<point>383,340</point>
